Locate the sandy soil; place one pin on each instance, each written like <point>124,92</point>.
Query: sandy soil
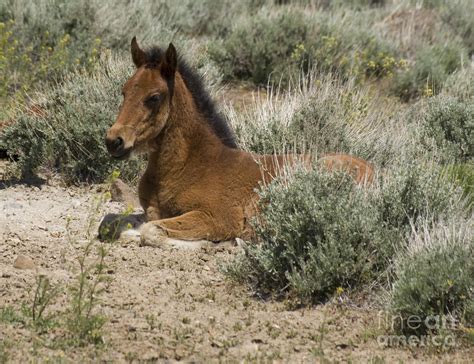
<point>165,303</point>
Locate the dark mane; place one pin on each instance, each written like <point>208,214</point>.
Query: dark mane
<point>201,97</point>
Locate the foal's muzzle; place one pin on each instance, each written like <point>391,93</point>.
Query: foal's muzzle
<point>116,147</point>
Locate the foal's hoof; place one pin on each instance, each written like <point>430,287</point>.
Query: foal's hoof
<point>152,235</point>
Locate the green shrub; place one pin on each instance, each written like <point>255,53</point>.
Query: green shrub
<point>313,124</point>
<point>412,191</point>
<point>460,85</point>
<point>282,44</point>
<point>43,42</point>
<point>449,125</point>
<point>433,65</point>
<point>329,115</point>
<point>434,275</point>
<point>319,231</point>
<point>207,17</point>
<point>463,176</point>
<point>69,136</point>
<point>261,45</point>
<point>458,15</point>
<point>320,117</point>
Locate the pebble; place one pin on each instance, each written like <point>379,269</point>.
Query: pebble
<point>121,192</point>
<point>23,262</point>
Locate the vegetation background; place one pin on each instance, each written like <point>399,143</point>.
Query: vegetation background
<point>391,81</point>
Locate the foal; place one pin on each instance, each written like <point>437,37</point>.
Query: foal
<point>198,184</point>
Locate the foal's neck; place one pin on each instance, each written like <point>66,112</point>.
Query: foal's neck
<point>186,138</point>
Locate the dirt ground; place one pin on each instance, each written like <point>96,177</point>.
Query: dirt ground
<point>165,304</point>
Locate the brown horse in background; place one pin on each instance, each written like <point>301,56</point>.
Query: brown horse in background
<point>198,184</point>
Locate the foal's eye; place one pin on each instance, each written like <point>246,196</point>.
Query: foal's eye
<point>152,101</point>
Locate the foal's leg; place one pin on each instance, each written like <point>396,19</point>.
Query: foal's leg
<point>194,225</point>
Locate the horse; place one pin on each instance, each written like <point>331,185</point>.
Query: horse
<point>198,185</point>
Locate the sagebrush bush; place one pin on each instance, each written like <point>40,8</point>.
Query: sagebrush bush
<point>42,42</point>
<point>449,123</point>
<point>68,136</point>
<point>435,275</point>
<point>319,231</point>
<point>261,45</point>
<point>463,176</point>
<point>280,45</point>
<point>457,14</point>
<point>329,115</point>
<point>460,85</point>
<point>431,68</point>
<point>412,191</point>
<point>313,118</point>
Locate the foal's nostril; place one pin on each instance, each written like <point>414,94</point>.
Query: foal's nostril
<point>114,145</point>
<point>117,144</point>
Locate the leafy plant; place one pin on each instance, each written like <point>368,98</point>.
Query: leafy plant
<point>45,293</point>
<point>9,315</point>
<point>41,52</point>
<point>449,125</point>
<point>85,325</point>
<point>67,136</point>
<point>434,276</point>
<point>261,45</point>
<point>432,66</point>
<point>318,231</point>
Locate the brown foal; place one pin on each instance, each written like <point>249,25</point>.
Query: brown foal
<point>198,184</point>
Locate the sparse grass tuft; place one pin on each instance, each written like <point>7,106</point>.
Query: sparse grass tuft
<point>77,323</point>
<point>44,295</point>
<point>9,315</point>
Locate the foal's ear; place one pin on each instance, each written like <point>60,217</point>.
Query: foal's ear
<point>138,56</point>
<point>170,62</point>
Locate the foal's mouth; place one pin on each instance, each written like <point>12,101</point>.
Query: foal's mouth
<point>123,154</point>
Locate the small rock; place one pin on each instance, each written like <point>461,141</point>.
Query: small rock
<point>342,346</point>
<point>24,262</point>
<point>121,192</point>
<point>217,344</point>
<point>240,243</point>
<point>13,205</point>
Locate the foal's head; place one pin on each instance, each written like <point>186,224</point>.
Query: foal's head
<point>146,102</point>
